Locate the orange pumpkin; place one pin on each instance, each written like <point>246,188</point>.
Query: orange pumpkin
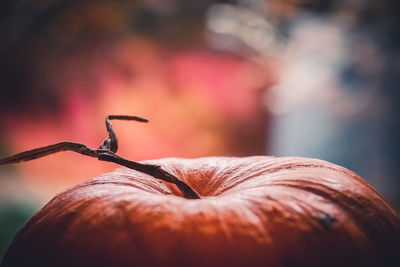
<point>254,211</point>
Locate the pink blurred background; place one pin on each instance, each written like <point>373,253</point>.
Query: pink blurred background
<point>230,78</point>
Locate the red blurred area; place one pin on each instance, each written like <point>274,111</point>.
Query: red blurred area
<point>199,102</point>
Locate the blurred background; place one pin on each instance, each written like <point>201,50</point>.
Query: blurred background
<point>246,77</point>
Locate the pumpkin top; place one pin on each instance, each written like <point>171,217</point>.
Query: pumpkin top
<point>259,210</point>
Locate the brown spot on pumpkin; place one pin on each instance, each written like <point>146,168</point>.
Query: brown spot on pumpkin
<point>326,220</point>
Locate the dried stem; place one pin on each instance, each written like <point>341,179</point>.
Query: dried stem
<point>106,152</point>
<point>152,170</point>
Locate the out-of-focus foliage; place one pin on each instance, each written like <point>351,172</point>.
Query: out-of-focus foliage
<point>12,217</point>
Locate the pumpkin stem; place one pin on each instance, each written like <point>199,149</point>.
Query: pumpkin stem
<point>106,152</point>
<point>152,170</point>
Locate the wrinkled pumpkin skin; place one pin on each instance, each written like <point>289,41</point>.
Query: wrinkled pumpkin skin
<point>254,211</point>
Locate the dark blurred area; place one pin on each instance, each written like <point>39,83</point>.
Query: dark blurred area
<point>47,44</point>
<point>237,77</point>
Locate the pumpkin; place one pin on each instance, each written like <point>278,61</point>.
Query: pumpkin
<point>253,211</point>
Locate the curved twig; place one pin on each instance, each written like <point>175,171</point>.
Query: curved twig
<point>111,142</point>
<point>106,152</point>
<point>48,150</point>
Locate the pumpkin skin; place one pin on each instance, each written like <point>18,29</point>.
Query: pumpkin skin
<point>254,211</point>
